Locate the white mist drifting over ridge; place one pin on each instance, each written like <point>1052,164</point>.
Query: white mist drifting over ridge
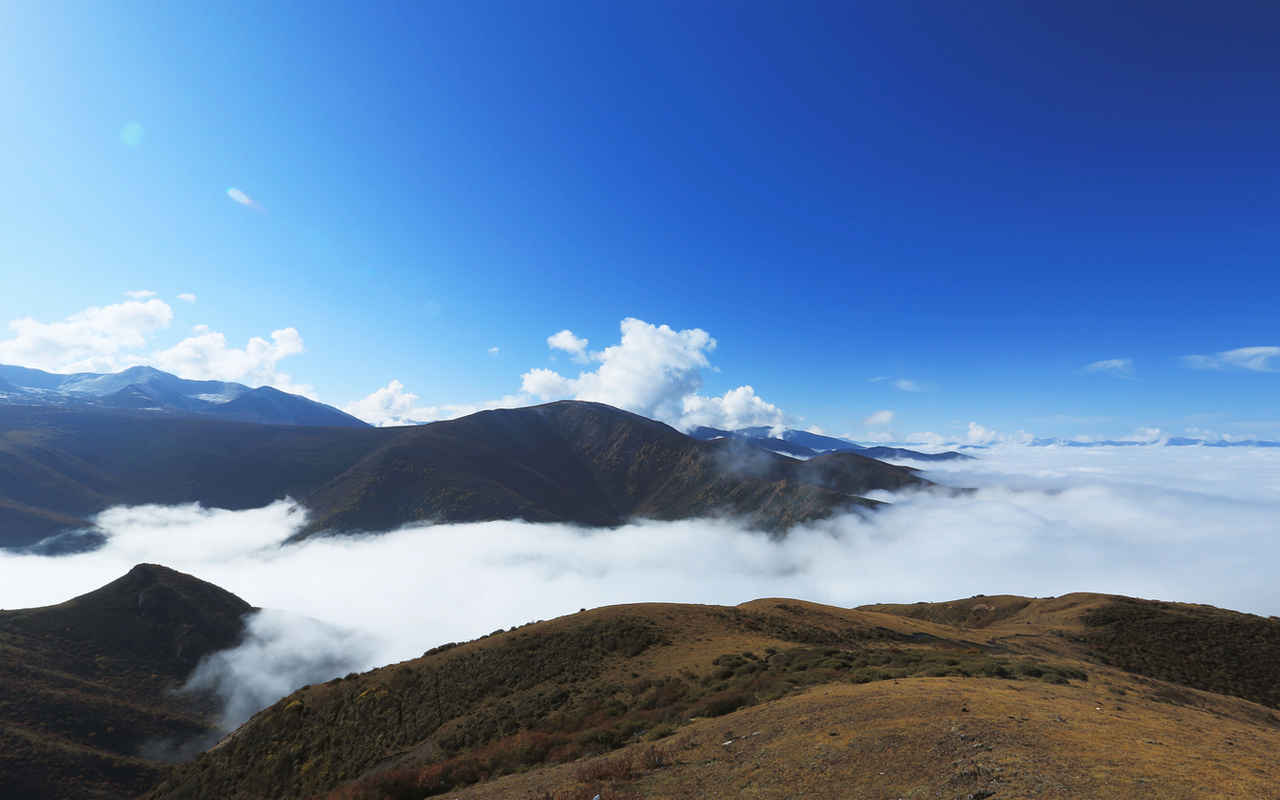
<point>1187,524</point>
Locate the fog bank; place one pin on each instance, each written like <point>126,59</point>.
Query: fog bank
<point>1188,524</point>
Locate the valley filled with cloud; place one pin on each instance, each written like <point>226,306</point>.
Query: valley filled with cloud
<point>1195,524</point>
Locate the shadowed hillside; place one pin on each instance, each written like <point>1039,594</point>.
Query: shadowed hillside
<point>773,698</point>
<point>58,465</point>
<point>566,462</point>
<point>86,698</point>
<point>1193,645</point>
<point>591,464</point>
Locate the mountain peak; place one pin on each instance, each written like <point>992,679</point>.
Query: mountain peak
<point>168,618</point>
<point>147,388</point>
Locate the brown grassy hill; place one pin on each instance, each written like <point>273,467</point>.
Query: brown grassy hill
<point>584,463</point>
<point>780,698</point>
<point>86,685</point>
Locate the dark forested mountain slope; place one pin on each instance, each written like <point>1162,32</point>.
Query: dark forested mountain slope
<point>573,462</point>
<point>60,466</point>
<point>587,463</point>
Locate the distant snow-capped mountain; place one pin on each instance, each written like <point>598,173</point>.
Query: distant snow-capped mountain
<point>1175,441</point>
<point>803,444</point>
<point>150,389</point>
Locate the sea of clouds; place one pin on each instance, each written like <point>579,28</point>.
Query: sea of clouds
<point>1192,524</point>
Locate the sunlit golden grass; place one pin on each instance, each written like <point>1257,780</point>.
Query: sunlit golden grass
<point>774,698</point>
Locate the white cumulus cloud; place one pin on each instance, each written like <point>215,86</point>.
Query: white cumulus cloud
<point>737,408</point>
<point>566,341</point>
<point>656,371</point>
<point>96,339</point>
<point>115,337</point>
<point>979,434</point>
<point>207,356</point>
<point>393,404</point>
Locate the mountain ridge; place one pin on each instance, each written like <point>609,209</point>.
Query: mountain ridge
<point>570,461</point>
<point>652,699</point>
<point>803,444</point>
<point>151,389</point>
<point>1077,695</point>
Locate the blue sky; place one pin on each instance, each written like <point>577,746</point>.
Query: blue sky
<point>980,201</point>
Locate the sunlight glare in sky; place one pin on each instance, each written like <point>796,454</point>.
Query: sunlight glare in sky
<point>132,133</point>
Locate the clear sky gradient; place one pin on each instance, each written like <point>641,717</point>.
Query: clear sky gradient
<point>980,199</point>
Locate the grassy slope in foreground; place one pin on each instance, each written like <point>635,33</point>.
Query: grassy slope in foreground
<point>991,697</point>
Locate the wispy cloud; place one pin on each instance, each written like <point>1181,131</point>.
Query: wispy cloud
<point>243,199</point>
<point>493,351</point>
<point>901,384</point>
<point>1117,367</point>
<point>906,385</point>
<point>1256,359</point>
<point>879,419</point>
<point>187,297</point>
<point>140,294</point>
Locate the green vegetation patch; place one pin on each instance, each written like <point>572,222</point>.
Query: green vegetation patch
<point>1197,646</point>
<point>533,693</point>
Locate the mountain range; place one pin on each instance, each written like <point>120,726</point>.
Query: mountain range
<point>803,444</point>
<point>1175,441</point>
<point>149,389</point>
<point>570,461</point>
<point>1083,695</point>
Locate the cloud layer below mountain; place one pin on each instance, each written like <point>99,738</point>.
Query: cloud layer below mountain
<point>1189,524</point>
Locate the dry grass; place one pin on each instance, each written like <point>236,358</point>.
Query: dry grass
<point>949,738</point>
<point>774,698</point>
